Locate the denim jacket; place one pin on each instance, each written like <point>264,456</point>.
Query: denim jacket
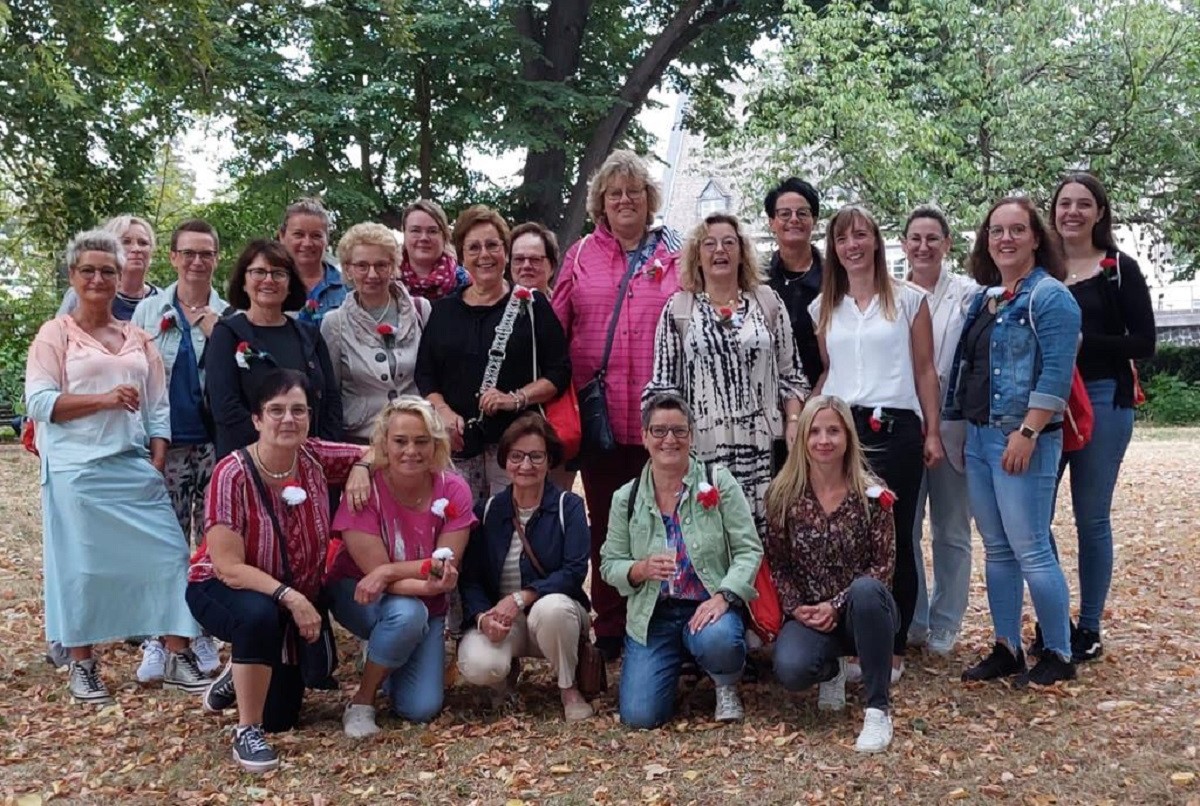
<point>1032,353</point>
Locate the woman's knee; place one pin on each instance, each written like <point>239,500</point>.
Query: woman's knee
<point>721,646</point>
<point>868,594</point>
<point>402,625</point>
<point>642,711</point>
<point>796,665</point>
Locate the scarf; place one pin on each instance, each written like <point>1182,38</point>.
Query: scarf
<point>441,282</point>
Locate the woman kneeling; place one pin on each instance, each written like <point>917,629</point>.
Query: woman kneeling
<point>522,578</point>
<point>683,549</point>
<point>391,576</point>
<point>830,542</point>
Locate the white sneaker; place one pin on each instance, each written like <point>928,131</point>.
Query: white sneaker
<point>154,662</point>
<point>876,732</point>
<point>208,659</point>
<point>831,695</point>
<point>942,642</point>
<point>897,673</point>
<point>359,721</point>
<point>854,673</point>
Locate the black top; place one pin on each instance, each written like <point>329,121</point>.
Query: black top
<point>1118,325</point>
<point>798,290</point>
<point>292,345</point>
<point>454,354</point>
<point>976,380</point>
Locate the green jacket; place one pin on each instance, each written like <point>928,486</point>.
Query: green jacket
<point>722,542</point>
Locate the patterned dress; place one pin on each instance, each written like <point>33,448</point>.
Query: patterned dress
<point>736,372</point>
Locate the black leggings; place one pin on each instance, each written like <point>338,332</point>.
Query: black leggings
<point>255,627</point>
<point>896,454</point>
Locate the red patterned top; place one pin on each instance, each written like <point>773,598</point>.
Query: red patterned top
<point>232,500</point>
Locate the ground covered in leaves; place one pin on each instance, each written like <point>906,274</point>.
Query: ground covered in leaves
<point>1126,732</point>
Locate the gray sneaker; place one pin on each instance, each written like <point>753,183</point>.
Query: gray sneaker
<point>85,684</point>
<point>251,751</point>
<point>57,655</point>
<point>941,642</point>
<point>831,695</point>
<point>220,693</point>
<point>729,705</point>
<point>183,673</point>
<point>208,658</point>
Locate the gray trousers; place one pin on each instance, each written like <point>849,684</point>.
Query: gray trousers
<point>868,624</point>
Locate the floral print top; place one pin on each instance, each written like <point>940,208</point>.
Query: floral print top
<point>814,556</point>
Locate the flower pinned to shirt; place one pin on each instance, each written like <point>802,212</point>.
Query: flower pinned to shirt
<point>293,494</point>
<point>875,422</point>
<point>242,354</point>
<point>311,305</point>
<point>886,497</point>
<point>997,297</point>
<point>444,509</point>
<point>387,332</point>
<point>708,497</point>
<point>523,296</point>
<point>654,271</point>
<point>724,315</point>
<point>167,322</point>
<point>1109,266</point>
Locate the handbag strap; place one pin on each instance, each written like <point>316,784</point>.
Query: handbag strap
<point>520,529</point>
<point>265,495</point>
<point>630,270</point>
<point>491,373</point>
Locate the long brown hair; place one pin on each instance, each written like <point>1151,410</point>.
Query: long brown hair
<point>835,283</point>
<point>691,276</point>
<point>1048,253</point>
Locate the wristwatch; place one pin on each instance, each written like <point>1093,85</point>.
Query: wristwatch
<point>731,598</point>
<point>1029,432</point>
<point>519,600</point>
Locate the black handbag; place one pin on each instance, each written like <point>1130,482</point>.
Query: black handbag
<point>594,423</point>
<point>317,660</point>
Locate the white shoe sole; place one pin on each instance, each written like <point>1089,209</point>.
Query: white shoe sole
<point>187,688</point>
<point>105,700</point>
<point>255,767</point>
<point>872,749</point>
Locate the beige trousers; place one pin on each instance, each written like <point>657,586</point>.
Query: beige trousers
<point>549,630</point>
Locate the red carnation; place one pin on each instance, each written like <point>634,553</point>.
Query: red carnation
<point>1108,263</point>
<point>886,499</point>
<point>242,347</point>
<point>708,496</point>
<point>385,330</point>
<point>426,567</point>
<point>875,422</point>
<point>522,293</point>
<point>1007,296</point>
<point>311,305</point>
<point>164,324</point>
<point>725,312</point>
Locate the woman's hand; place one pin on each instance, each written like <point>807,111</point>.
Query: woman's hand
<point>358,487</point>
<point>307,619</point>
<point>492,628</point>
<point>1015,459</point>
<point>493,401</point>
<point>656,567</point>
<point>934,452</point>
<point>505,611</point>
<point>205,321</point>
<point>123,396</point>
<point>454,424</point>
<point>707,613</point>
<point>372,586</point>
<point>822,617</point>
<point>445,583</point>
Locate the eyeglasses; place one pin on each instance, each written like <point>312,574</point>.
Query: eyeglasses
<point>728,244</point>
<point>476,248</point>
<point>531,260</point>
<point>417,232</point>
<point>107,273</point>
<point>800,213</point>
<point>382,269</point>
<point>205,256</point>
<point>278,275</point>
<point>996,232</point>
<point>677,431</point>
<point>931,240</point>
<point>616,194</point>
<point>277,413</point>
<point>536,458</point>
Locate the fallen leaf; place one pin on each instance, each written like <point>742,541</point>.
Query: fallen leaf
<point>655,771</point>
<point>691,775</point>
<point>1183,778</point>
<point>957,794</point>
<point>561,769</point>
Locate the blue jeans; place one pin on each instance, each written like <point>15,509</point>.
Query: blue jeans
<point>401,636</point>
<point>1094,470</point>
<point>1013,516</point>
<point>950,522</point>
<point>650,672</point>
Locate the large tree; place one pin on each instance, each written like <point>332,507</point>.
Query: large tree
<point>962,101</point>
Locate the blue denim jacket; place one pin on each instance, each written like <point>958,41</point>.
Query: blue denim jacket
<point>1028,369</point>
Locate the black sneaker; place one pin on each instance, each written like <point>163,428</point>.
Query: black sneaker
<point>251,751</point>
<point>1000,663</point>
<point>610,646</point>
<point>1039,643</point>
<point>220,693</point>
<point>1085,645</point>
<point>1046,672</point>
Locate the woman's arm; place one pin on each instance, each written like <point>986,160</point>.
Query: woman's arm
<point>667,375</point>
<point>380,573</point>
<point>331,333</point>
<point>1137,312</point>
<point>223,387</point>
<point>564,289</point>
<point>472,580</point>
<point>929,388</point>
<point>745,547</point>
<point>819,386</point>
<point>45,400</point>
<point>616,558</point>
<point>555,365</point>
<point>568,577</point>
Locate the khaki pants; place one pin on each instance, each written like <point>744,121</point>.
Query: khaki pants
<point>549,630</point>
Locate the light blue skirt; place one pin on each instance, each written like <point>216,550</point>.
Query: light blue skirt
<point>115,560</point>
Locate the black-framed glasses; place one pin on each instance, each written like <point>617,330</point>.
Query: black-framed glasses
<point>536,458</point>
<point>204,255</point>
<point>677,431</point>
<point>278,275</point>
<point>89,273</point>
<point>800,213</point>
<point>381,269</point>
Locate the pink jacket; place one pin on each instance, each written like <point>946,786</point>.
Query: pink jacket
<point>584,296</point>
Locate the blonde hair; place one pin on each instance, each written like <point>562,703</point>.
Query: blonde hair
<point>691,275</point>
<point>367,233</point>
<point>835,283</point>
<point>630,166</point>
<point>793,478</point>
<point>417,407</point>
<point>431,209</point>
<point>119,223</point>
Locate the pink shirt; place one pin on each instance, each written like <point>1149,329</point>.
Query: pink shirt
<point>409,534</point>
<point>584,297</point>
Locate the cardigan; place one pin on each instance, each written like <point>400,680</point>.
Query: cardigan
<point>797,292</point>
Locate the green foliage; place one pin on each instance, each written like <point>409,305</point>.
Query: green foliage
<point>1170,400</point>
<point>962,101</point>
<point>20,318</point>
<point>1172,359</point>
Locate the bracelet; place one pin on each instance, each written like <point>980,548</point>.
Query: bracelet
<point>519,600</point>
<point>361,463</point>
<point>279,593</point>
<point>793,418</point>
<point>520,398</point>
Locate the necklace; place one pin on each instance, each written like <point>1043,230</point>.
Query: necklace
<point>382,314</point>
<point>277,476</point>
<point>192,308</point>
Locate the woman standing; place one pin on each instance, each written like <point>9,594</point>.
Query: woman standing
<point>137,241</point>
<point>373,337</point>
<point>488,353</point>
<point>428,268</point>
<point>609,294</point>
<point>115,561</point>
<point>380,591</point>
<point>260,337</point>
<point>305,234</point>
<point>1118,326</point>
<point>940,607</point>
<point>534,256</point>
<point>724,343</point>
<point>831,545</point>
<point>876,340</point>
<point>1011,380</point>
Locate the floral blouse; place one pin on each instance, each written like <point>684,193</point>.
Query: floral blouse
<point>814,557</point>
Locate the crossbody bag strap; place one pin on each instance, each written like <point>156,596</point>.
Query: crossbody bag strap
<point>491,373</point>
<point>630,270</point>
<point>528,549</point>
<point>265,495</point>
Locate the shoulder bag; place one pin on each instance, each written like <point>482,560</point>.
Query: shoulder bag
<point>562,413</point>
<point>1078,417</point>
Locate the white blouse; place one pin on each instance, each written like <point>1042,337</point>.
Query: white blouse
<point>870,357</point>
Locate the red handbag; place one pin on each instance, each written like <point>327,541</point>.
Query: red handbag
<point>563,415</point>
<point>766,614</point>
<point>29,436</point>
<point>1078,418</point>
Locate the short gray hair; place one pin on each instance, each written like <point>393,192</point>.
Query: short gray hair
<point>95,240</point>
<point>306,206</point>
<point>666,401</point>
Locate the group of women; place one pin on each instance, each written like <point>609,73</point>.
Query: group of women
<point>803,415</point>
